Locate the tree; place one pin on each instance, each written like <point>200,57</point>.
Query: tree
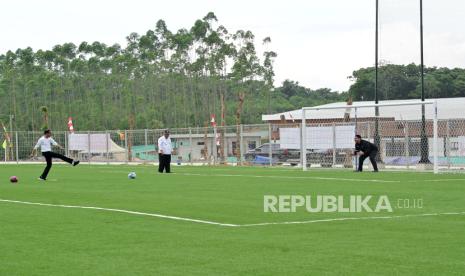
<point>193,72</point>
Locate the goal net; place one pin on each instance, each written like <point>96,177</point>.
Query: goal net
<point>410,135</point>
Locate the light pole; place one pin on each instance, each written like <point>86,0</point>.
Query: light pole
<point>424,139</point>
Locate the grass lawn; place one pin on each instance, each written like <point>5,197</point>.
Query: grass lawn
<point>200,202</point>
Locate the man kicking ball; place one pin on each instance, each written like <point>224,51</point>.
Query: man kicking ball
<point>45,143</point>
<point>365,149</point>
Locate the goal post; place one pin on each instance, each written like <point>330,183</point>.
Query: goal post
<point>406,133</point>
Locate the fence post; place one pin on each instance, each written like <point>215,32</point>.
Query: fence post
<point>435,138</point>
<point>270,149</point>
<point>447,144</point>
<point>126,145</point>
<point>155,143</point>
<point>241,144</point>
<point>334,144</point>
<point>303,141</point>
<point>66,144</point>
<point>225,145</point>
<point>145,137</point>
<point>88,147</point>
<point>407,144</point>
<point>16,147</point>
<point>107,139</point>
<point>215,146</point>
<point>190,146</point>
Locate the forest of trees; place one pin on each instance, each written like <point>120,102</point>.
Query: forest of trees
<point>161,78</point>
<point>403,82</point>
<point>177,79</point>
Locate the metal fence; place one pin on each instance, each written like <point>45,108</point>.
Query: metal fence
<point>258,145</point>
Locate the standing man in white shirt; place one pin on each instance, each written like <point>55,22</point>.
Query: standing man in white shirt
<point>164,152</point>
<point>45,143</point>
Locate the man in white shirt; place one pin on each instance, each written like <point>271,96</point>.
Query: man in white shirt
<point>45,143</point>
<point>164,152</point>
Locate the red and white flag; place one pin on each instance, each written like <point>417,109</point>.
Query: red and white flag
<point>212,120</point>
<point>70,125</point>
<point>213,124</point>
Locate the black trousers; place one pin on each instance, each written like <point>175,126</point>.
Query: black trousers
<point>48,158</point>
<point>164,161</point>
<point>372,156</point>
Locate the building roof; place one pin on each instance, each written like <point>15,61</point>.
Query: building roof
<point>448,108</point>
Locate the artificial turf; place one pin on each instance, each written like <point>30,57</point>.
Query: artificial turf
<point>52,240</point>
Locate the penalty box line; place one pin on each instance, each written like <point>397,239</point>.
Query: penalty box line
<point>352,218</point>
<point>119,211</point>
<point>230,224</point>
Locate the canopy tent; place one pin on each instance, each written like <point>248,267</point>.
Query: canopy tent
<point>99,143</point>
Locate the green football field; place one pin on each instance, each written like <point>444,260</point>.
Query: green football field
<point>92,220</point>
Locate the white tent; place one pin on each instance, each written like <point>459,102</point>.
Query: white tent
<point>99,143</point>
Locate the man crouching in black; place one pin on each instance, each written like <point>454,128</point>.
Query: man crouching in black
<point>365,149</point>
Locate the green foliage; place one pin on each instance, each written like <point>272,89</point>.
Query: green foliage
<point>161,78</point>
<point>166,78</point>
<point>403,82</point>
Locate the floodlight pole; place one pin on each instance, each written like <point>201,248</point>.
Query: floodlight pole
<point>376,136</point>
<point>424,139</point>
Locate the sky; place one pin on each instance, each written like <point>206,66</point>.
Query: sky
<point>319,42</point>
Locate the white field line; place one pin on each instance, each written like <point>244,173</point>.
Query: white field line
<point>119,211</point>
<point>229,224</point>
<point>306,177</point>
<point>438,180</point>
<point>291,177</point>
<point>349,218</point>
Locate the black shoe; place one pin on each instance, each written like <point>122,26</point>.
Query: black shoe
<point>357,171</point>
<point>41,179</point>
<point>75,163</point>
<point>375,171</point>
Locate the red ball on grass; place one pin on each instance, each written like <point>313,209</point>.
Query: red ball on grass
<point>13,179</point>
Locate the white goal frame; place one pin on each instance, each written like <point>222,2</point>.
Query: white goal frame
<point>303,138</point>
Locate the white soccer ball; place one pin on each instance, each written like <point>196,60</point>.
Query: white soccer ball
<point>132,175</point>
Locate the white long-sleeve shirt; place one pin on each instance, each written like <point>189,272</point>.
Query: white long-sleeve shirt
<point>45,144</point>
<point>164,144</point>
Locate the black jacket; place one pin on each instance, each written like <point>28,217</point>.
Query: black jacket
<point>366,147</point>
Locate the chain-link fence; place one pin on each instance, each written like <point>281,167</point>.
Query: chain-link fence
<point>403,144</point>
